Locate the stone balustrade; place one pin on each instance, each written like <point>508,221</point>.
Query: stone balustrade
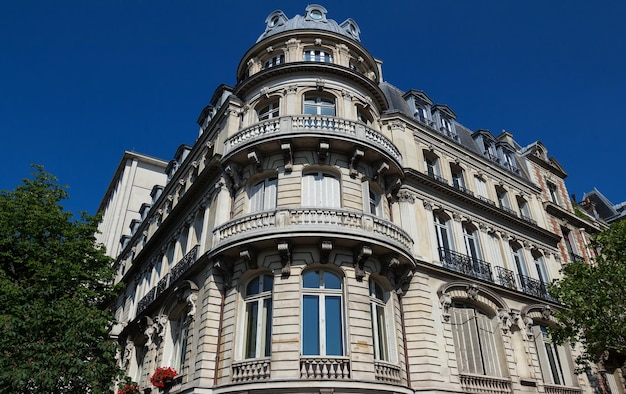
<point>556,389</point>
<point>295,219</point>
<point>386,372</point>
<point>291,125</point>
<point>251,370</point>
<point>481,384</point>
<point>325,368</point>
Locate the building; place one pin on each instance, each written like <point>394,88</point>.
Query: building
<point>330,233</point>
<point>596,204</point>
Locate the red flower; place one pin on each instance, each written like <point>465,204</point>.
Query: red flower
<point>162,375</point>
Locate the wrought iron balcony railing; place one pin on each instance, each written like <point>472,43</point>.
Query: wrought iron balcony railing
<point>436,177</point>
<point>176,272</point>
<point>463,189</point>
<point>506,278</point>
<point>465,264</point>
<point>534,287</point>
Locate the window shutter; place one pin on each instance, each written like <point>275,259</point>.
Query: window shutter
<point>269,200</point>
<point>489,346</point>
<point>466,333</point>
<point>540,346</point>
<point>256,197</point>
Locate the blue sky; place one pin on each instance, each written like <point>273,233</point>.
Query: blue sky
<point>83,81</point>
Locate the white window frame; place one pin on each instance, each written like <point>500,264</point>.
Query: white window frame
<point>553,192</point>
<point>481,187</point>
<point>321,294</point>
<point>382,322</point>
<point>470,239</point>
<point>443,232</point>
<point>317,55</point>
<point>268,110</point>
<point>262,327</point>
<point>263,195</point>
<point>274,61</point>
<point>553,358</point>
<point>179,331</point>
<point>372,200</point>
<point>319,104</point>
<point>321,189</point>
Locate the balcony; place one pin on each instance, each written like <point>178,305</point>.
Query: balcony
<point>386,372</point>
<point>465,264</point>
<point>290,221</point>
<point>527,285</point>
<point>176,272</point>
<point>305,125</point>
<point>480,384</point>
<point>463,189</point>
<point>556,389</point>
<point>437,177</point>
<point>528,219</point>
<point>325,368</point>
<point>251,370</point>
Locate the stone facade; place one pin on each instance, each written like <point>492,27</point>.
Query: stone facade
<point>329,233</point>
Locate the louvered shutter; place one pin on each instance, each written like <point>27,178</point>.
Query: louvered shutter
<point>488,344</point>
<point>269,195</point>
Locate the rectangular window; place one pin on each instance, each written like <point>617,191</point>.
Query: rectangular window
<point>263,195</point>
<point>553,358</point>
<point>552,191</point>
<point>320,190</point>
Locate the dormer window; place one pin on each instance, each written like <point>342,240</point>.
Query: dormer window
<point>317,55</point>
<point>316,13</point>
<point>275,19</point>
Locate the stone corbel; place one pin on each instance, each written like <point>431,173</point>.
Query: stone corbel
<point>249,258</point>
<point>528,323</point>
<point>382,169</point>
<point>285,257</point>
<point>233,172</point>
<point>357,155</point>
<point>361,255</point>
<point>226,270</point>
<point>191,300</point>
<point>255,160</point>
<point>546,312</point>
<point>287,156</point>
<point>393,185</point>
<point>325,249</point>
<point>402,279</point>
<point>387,269</point>
<point>322,153</point>
<point>319,84</point>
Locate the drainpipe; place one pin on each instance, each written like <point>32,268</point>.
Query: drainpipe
<point>219,336</point>
<point>406,351</point>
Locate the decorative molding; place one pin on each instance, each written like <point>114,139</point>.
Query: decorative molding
<point>320,83</point>
<point>472,291</point>
<point>361,255</point>
<point>233,172</point>
<point>505,318</point>
<point>225,268</point>
<point>446,302</point>
<point>285,257</point>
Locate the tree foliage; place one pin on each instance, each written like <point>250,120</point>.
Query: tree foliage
<point>55,285</point>
<point>594,296</point>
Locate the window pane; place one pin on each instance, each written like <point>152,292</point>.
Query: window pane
<point>253,287</point>
<point>310,326</point>
<point>267,315</point>
<point>382,334</point>
<point>251,333</point>
<point>311,280</point>
<point>331,281</point>
<point>333,326</point>
<point>268,282</point>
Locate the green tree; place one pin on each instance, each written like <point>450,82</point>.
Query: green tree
<point>55,286</point>
<point>594,296</point>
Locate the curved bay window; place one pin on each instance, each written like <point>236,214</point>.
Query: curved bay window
<point>317,55</point>
<point>318,104</point>
<point>322,314</point>
<point>477,341</point>
<point>258,317</point>
<point>320,189</point>
<point>268,109</point>
<point>263,195</point>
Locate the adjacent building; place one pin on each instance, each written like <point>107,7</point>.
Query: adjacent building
<point>328,232</point>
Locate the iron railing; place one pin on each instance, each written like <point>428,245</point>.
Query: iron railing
<point>465,264</point>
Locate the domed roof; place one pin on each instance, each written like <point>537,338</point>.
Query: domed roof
<point>314,18</point>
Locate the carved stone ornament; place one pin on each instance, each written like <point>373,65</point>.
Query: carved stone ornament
<point>446,302</point>
<point>226,270</point>
<point>285,257</point>
<point>233,172</point>
<point>318,41</point>
<point>249,257</point>
<point>287,156</point>
<point>360,258</point>
<point>505,319</point>
<point>405,196</point>
<point>528,323</point>
<point>546,312</point>
<point>357,155</point>
<point>396,124</point>
<point>191,304</point>
<point>325,249</point>
<point>128,351</point>
<point>472,292</point>
<point>428,205</point>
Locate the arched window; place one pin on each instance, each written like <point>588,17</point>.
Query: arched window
<point>268,109</point>
<point>317,55</point>
<point>382,327</point>
<point>540,268</point>
<point>258,317</point>
<point>523,208</point>
<point>318,104</point>
<point>322,314</point>
<point>320,189</point>
<point>517,253</point>
<point>477,341</point>
<point>263,195</point>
